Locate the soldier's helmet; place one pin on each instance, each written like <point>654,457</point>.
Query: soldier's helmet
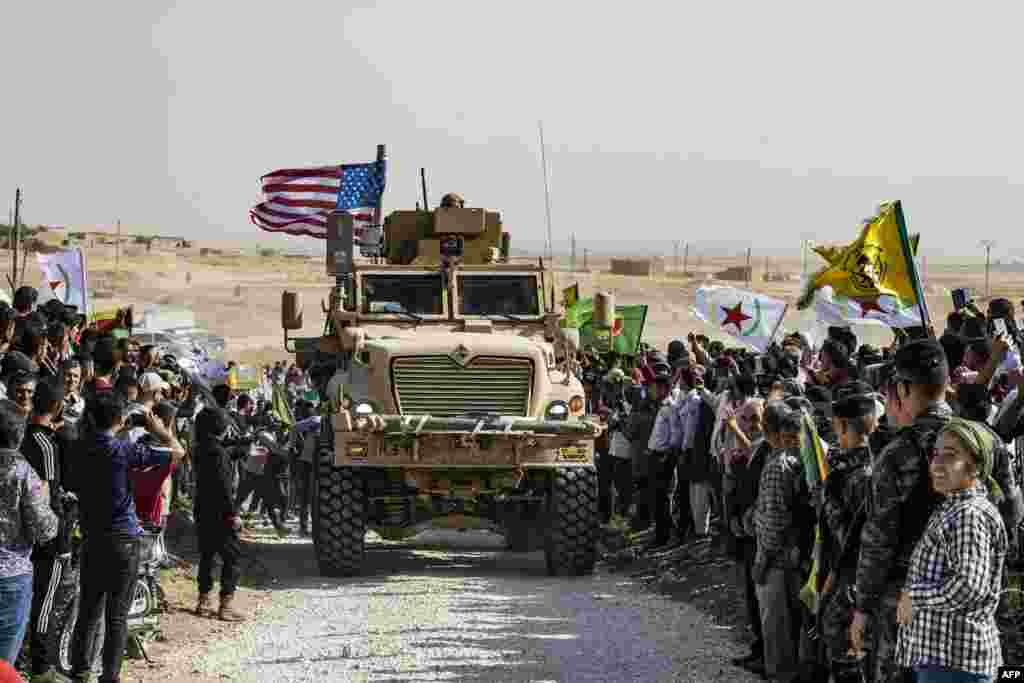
<point>452,201</point>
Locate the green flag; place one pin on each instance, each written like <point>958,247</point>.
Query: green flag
<point>625,334</point>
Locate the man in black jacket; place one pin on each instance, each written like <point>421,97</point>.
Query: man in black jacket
<point>217,520</point>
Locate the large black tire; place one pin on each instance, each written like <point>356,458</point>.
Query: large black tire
<point>570,545</point>
<point>339,518</point>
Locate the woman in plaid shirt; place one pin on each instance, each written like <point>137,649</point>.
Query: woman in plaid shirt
<point>947,611</point>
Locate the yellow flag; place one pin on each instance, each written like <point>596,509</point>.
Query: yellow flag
<point>875,265</point>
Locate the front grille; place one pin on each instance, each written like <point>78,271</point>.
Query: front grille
<point>437,385</point>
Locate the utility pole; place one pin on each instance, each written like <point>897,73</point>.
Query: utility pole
<point>987,246</point>
<point>686,258</point>
<point>117,255</point>
<point>675,256</point>
<point>14,239</point>
<point>750,272</point>
<point>572,254</point>
<point>585,252</point>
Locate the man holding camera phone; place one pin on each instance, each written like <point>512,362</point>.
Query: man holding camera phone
<point>110,525</point>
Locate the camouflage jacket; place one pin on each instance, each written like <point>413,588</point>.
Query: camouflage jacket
<point>25,515</point>
<point>845,492</point>
<point>900,504</point>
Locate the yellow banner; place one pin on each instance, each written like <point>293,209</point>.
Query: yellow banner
<point>873,266</point>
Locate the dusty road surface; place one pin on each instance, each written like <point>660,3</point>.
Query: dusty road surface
<point>467,611</point>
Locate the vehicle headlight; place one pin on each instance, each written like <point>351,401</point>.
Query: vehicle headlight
<point>557,410</point>
<point>576,406</point>
<point>363,409</point>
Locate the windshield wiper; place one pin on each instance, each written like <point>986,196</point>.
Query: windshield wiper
<point>403,311</point>
<point>393,308</point>
<point>506,316</point>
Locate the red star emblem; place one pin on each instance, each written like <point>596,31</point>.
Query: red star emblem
<point>868,306</point>
<point>55,285</point>
<point>735,316</point>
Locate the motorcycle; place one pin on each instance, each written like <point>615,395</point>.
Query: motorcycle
<point>148,602</point>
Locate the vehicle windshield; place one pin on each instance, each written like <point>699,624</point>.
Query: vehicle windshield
<point>490,294</point>
<point>399,293</point>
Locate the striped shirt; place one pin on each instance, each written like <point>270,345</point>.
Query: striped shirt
<point>43,451</point>
<point>954,582</point>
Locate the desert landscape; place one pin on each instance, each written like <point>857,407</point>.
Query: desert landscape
<point>236,294</point>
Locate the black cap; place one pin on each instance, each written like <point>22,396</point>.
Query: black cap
<point>1000,308</point>
<point>921,362</point>
<point>25,297</point>
<point>853,399</point>
<point>848,389</point>
<point>857,405</point>
<point>15,362</point>
<point>676,348</point>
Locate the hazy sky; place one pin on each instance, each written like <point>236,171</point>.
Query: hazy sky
<point>756,122</point>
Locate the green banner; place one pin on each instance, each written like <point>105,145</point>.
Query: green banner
<point>625,336</point>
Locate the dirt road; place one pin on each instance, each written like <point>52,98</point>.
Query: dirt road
<point>467,611</point>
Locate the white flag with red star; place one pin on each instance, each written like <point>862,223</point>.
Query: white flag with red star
<point>835,309</point>
<point>750,317</point>
<point>64,278</point>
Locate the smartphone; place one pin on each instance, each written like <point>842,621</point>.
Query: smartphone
<point>960,298</point>
<point>998,327</point>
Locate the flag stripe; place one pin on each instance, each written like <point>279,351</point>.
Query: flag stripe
<point>274,216</point>
<point>300,188</point>
<point>325,171</point>
<point>304,202</point>
<point>298,201</point>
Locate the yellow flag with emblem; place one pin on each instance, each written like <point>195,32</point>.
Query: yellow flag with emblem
<point>879,263</point>
<point>280,407</point>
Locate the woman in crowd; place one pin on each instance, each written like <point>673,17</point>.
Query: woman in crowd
<point>947,611</point>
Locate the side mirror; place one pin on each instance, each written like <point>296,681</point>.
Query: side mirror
<point>291,311</point>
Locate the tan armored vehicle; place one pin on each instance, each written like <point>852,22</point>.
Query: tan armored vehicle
<point>451,393</point>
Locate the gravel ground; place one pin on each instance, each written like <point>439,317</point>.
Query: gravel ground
<point>462,611</point>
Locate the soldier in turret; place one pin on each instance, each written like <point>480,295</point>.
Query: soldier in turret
<point>453,201</point>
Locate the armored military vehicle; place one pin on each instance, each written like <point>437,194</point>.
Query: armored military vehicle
<point>451,394</point>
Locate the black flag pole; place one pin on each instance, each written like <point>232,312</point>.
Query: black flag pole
<point>915,276</point>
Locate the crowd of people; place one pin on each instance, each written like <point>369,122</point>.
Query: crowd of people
<point>94,434</point>
<point>893,561</point>
<point>891,567</point>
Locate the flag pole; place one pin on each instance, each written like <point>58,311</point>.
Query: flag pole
<point>915,278</point>
<point>775,330</point>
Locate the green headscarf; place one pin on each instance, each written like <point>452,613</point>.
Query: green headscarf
<point>978,440</point>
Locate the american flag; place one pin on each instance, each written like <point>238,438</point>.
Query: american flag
<point>297,201</point>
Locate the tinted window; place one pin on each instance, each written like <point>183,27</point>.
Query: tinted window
<point>498,294</point>
<point>412,293</point>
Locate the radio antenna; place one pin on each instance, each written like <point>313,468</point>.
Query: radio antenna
<point>423,185</point>
<point>547,192</point>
